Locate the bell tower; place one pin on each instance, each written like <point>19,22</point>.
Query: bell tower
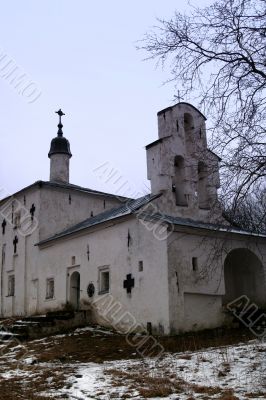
<point>180,165</point>
<point>59,155</point>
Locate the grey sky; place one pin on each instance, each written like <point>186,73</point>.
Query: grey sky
<point>82,56</point>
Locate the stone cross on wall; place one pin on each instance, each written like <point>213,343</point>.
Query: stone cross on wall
<point>129,283</point>
<point>4,226</point>
<point>15,242</point>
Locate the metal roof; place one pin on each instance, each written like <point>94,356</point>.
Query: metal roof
<point>67,186</point>
<point>157,141</point>
<point>130,207</point>
<point>177,221</point>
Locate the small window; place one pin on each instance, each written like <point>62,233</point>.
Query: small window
<point>194,263</point>
<point>104,281</point>
<point>140,266</point>
<point>11,285</point>
<point>73,260</point>
<point>50,288</point>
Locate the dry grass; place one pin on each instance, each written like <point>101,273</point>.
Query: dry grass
<point>154,386</point>
<point>155,391</point>
<point>228,395</point>
<point>206,389</point>
<point>255,395</point>
<point>29,381</point>
<point>185,357</point>
<point>86,347</point>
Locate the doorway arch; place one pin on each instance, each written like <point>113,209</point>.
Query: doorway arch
<point>75,290</point>
<point>244,275</point>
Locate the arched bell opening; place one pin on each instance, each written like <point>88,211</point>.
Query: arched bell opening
<point>178,182</point>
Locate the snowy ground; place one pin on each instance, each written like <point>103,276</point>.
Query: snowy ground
<point>224,373</point>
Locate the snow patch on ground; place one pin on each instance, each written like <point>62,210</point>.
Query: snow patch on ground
<point>240,368</point>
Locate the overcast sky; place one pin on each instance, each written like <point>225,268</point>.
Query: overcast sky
<point>80,56</point>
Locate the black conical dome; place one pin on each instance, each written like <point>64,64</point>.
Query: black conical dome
<point>59,144</point>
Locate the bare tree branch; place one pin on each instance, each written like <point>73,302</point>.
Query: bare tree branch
<point>217,55</point>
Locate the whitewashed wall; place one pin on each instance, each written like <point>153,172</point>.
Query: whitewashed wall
<point>196,297</point>
<point>108,246</point>
<point>53,213</point>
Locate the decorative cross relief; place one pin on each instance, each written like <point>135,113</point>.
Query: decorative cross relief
<point>15,242</point>
<point>129,283</point>
<point>88,252</point>
<point>4,226</point>
<point>128,239</point>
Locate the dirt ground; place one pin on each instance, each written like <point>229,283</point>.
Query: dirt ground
<point>51,357</point>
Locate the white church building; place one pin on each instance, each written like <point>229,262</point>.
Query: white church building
<point>169,258</point>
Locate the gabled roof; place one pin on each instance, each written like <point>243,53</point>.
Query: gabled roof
<point>66,186</point>
<point>180,103</point>
<point>70,186</point>
<point>186,222</point>
<point>157,141</point>
<point>216,155</point>
<point>130,207</point>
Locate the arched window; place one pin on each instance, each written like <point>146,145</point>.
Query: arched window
<point>179,181</point>
<point>188,122</point>
<point>189,127</point>
<point>203,195</point>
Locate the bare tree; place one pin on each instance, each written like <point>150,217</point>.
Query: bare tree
<point>217,55</point>
<point>250,214</point>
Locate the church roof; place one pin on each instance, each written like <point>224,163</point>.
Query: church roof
<point>130,207</point>
<point>180,103</point>
<point>157,141</point>
<point>186,222</point>
<point>66,186</point>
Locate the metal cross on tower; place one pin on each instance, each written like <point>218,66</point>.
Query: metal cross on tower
<point>60,113</point>
<point>60,125</point>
